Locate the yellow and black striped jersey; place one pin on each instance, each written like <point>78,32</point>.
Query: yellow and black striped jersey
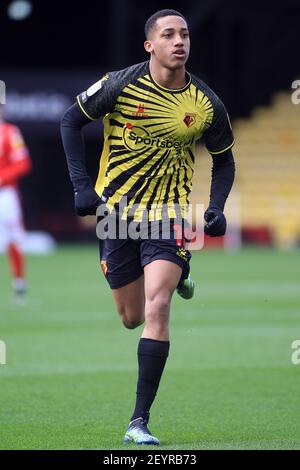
<point>150,134</point>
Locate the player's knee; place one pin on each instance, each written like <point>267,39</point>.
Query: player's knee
<point>157,312</point>
<point>131,324</point>
<point>159,304</point>
<point>130,321</point>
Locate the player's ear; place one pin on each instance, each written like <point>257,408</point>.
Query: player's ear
<point>148,46</point>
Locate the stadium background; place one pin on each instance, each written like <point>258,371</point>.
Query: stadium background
<point>68,357</point>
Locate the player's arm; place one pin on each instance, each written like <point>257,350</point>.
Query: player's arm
<point>19,159</point>
<point>222,177</point>
<point>219,140</point>
<point>72,122</point>
<point>90,105</point>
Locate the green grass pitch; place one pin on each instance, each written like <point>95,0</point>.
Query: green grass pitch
<point>70,377</point>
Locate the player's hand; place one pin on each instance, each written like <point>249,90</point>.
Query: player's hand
<point>215,222</point>
<point>86,198</point>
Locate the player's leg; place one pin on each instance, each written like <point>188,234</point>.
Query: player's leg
<point>11,221</point>
<point>161,279</point>
<point>17,266</point>
<point>121,265</point>
<point>130,303</point>
<point>166,263</point>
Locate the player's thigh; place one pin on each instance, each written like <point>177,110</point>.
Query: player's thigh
<point>121,264</point>
<point>11,223</point>
<point>10,208</point>
<point>165,263</point>
<point>161,279</point>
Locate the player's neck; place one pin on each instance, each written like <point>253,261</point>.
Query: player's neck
<point>168,78</point>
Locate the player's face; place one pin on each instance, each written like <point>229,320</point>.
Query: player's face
<point>169,42</point>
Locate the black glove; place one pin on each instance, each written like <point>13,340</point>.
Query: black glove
<point>86,198</point>
<point>216,222</point>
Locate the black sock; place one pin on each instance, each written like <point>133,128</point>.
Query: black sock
<point>152,356</point>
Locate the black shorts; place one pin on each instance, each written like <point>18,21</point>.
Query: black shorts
<point>123,260</point>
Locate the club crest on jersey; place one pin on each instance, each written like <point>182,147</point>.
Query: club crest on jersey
<point>189,119</point>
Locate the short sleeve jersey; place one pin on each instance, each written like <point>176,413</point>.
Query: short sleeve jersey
<point>150,134</point>
<point>13,152</point>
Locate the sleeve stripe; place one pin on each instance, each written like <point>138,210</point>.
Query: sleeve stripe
<point>224,150</point>
<point>78,101</point>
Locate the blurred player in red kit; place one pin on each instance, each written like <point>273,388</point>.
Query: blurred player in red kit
<point>15,162</point>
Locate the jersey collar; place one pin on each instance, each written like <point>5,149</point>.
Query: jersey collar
<point>171,90</point>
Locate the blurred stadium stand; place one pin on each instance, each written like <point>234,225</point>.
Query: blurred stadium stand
<point>246,51</point>
<point>268,152</point>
